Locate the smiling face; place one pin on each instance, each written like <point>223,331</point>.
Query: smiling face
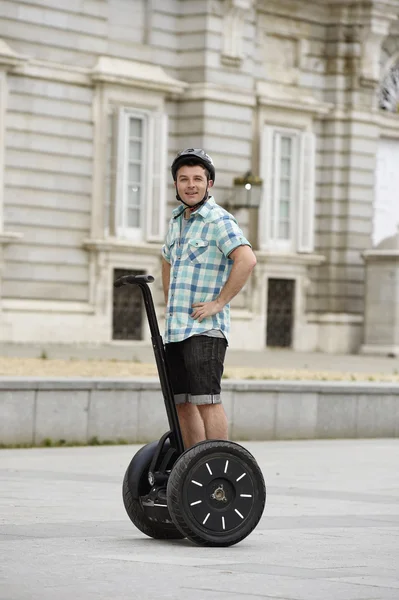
<point>191,183</point>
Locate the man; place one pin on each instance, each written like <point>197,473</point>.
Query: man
<point>206,262</point>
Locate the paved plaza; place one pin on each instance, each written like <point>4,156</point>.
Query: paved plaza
<point>330,530</point>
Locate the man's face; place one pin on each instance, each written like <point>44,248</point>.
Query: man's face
<point>191,184</point>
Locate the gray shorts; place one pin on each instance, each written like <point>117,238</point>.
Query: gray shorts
<point>195,368</point>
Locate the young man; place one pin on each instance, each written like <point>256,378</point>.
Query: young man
<point>206,262</point>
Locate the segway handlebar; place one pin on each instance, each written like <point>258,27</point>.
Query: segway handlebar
<point>133,279</point>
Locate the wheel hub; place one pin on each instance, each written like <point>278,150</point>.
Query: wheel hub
<point>220,493</point>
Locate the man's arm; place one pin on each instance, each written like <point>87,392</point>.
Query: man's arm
<point>243,265</point>
<point>165,278</point>
<point>244,261</point>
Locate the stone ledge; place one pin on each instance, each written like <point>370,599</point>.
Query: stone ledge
<point>106,383</point>
<point>76,410</point>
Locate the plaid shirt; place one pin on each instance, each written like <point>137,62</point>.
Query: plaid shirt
<point>199,268</point>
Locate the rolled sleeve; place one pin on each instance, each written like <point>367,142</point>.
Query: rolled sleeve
<point>230,236</point>
<point>166,247</point>
<point>166,253</point>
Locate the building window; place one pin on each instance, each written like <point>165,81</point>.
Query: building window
<point>134,175</point>
<point>138,203</point>
<point>280,312</point>
<point>283,184</point>
<point>127,309</point>
<point>287,208</point>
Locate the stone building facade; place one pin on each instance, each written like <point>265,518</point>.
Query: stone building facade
<point>96,98</point>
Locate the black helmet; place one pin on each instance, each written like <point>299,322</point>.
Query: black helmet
<point>186,156</point>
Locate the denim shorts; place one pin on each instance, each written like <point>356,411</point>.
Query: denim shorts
<point>195,368</point>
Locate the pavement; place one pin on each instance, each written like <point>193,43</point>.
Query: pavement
<point>268,358</point>
<point>330,530</point>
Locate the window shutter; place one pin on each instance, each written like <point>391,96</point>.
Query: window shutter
<point>306,203</point>
<point>113,165</point>
<point>266,173</point>
<point>120,124</point>
<point>156,197</point>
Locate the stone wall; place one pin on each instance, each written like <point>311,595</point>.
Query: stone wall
<point>34,410</point>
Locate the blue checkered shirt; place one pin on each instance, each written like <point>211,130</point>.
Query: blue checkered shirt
<point>200,266</point>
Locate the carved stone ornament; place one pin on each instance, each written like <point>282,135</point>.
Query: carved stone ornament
<point>369,62</point>
<point>389,91</point>
<point>375,27</point>
<point>235,12</point>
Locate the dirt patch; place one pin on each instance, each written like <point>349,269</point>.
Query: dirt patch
<point>114,369</point>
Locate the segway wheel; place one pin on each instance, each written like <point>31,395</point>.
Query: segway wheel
<point>135,486</point>
<point>216,493</point>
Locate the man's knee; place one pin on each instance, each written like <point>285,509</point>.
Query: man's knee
<point>214,410</point>
<point>186,410</point>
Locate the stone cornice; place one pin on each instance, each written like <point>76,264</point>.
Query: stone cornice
<point>269,95</point>
<point>107,70</point>
<point>135,74</point>
<point>324,12</point>
<point>8,237</point>
<point>388,122</point>
<point>211,91</point>
<point>380,255</point>
<point>41,69</point>
<point>8,58</point>
<point>293,258</point>
<point>334,318</point>
<point>375,6</point>
<point>121,246</point>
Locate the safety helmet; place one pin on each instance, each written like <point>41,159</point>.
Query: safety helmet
<point>190,154</point>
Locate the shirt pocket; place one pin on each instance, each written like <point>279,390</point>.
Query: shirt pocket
<point>197,250</point>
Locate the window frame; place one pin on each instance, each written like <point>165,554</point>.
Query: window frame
<point>154,176</point>
<point>278,243</point>
<point>122,229</point>
<point>303,172</point>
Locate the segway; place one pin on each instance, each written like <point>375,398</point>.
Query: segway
<point>213,493</point>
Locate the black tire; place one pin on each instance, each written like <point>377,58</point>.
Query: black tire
<point>208,499</point>
<point>132,502</point>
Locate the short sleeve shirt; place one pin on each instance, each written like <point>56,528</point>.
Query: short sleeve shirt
<point>200,267</point>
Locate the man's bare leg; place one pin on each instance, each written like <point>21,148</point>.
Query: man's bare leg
<point>191,424</point>
<point>215,421</point>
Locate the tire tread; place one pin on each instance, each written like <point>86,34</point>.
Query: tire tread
<point>158,531</point>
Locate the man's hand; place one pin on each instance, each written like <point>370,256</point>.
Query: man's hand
<point>206,309</point>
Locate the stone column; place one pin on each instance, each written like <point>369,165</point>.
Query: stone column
<point>8,61</point>
<point>381,315</point>
<point>346,178</point>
